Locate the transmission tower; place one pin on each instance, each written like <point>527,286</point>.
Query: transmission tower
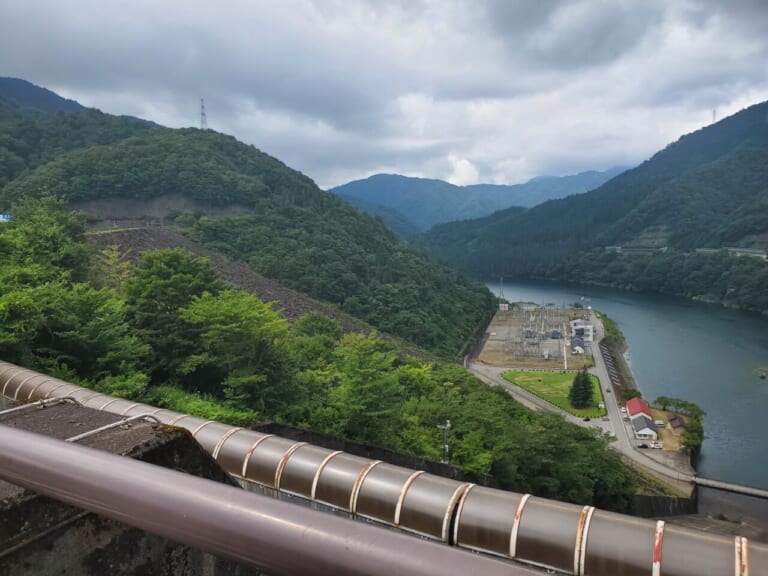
<point>203,116</point>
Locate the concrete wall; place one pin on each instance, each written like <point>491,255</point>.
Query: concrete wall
<point>663,506</point>
<point>375,453</point>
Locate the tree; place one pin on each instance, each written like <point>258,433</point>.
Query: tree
<point>313,340</point>
<point>244,340</point>
<point>628,393</point>
<point>581,391</point>
<point>163,282</point>
<point>86,330</point>
<point>42,242</point>
<point>112,267</point>
<point>366,402</point>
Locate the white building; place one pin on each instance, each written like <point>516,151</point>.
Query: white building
<point>582,329</point>
<point>644,428</point>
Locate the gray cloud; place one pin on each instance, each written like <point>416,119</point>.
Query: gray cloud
<point>341,89</point>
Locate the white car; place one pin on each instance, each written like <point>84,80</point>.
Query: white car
<point>656,445</point>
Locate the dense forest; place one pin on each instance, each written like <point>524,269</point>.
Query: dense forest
<point>287,228</point>
<point>31,138</point>
<point>166,331</point>
<point>707,190</point>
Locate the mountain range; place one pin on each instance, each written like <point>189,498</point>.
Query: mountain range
<point>662,226</point>
<point>425,202</point>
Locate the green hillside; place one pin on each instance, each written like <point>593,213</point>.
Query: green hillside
<point>29,138</point>
<point>165,330</point>
<point>394,220</point>
<point>708,190</point>
<point>285,228</point>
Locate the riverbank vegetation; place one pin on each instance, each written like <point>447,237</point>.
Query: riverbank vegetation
<point>693,436</point>
<point>614,344</point>
<point>168,332</point>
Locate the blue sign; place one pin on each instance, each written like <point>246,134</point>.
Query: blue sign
<point>5,217</point>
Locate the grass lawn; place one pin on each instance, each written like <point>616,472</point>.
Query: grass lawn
<point>554,387</point>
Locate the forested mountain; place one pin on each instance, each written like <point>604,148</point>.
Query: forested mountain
<point>427,202</point>
<point>249,206</point>
<point>29,137</point>
<point>707,190</point>
<point>394,220</point>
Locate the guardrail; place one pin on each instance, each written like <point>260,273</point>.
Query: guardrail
<point>277,537</point>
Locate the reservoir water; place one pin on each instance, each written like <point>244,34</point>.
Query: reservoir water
<point>698,352</point>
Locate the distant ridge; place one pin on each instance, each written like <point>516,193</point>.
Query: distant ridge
<point>426,202</point>
<point>30,97</point>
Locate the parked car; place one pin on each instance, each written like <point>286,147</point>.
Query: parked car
<point>657,445</point>
<point>608,390</point>
<point>587,419</point>
<point>606,418</point>
<point>642,445</point>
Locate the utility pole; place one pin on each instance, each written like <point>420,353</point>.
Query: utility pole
<point>445,428</point>
<point>203,116</point>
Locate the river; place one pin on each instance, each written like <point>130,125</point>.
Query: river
<point>698,352</point>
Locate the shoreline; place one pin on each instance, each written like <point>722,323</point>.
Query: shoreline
<point>669,468</point>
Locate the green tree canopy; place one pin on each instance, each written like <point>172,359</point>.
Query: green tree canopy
<point>163,282</point>
<point>244,339</point>
<point>581,392</point>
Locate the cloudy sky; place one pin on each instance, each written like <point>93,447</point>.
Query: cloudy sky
<point>464,90</point>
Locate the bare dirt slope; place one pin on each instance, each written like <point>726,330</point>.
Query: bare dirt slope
<point>289,303</point>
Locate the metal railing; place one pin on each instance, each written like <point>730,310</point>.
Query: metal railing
<point>274,536</point>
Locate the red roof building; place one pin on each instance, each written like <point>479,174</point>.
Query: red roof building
<point>638,406</point>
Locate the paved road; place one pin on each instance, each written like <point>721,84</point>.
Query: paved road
<point>624,442</point>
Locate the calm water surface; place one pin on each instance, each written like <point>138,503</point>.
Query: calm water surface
<point>699,352</point>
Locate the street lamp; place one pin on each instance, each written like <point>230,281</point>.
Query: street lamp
<point>445,428</point>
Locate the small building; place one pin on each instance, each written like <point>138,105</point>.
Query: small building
<point>582,328</point>
<point>637,407</point>
<point>555,334</point>
<point>644,428</point>
<point>676,423</point>
<point>5,218</point>
<point>504,306</point>
<point>577,345</point>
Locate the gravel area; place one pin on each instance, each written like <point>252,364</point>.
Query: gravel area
<point>290,303</point>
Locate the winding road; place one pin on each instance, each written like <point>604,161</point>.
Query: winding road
<point>623,441</point>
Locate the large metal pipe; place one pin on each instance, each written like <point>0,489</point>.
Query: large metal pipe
<point>277,537</point>
<point>565,537</point>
